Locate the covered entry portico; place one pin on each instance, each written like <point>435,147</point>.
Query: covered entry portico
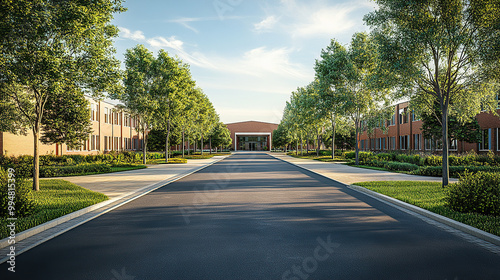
<point>252,141</point>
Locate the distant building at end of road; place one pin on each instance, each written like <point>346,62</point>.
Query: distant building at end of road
<point>251,135</point>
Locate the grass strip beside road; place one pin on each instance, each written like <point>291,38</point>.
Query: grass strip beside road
<point>56,198</point>
<point>431,196</point>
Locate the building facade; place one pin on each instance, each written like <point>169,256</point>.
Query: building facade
<point>251,135</point>
<point>404,133</point>
<point>113,130</point>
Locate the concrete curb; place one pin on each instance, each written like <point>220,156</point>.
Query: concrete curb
<point>115,203</point>
<point>436,217</point>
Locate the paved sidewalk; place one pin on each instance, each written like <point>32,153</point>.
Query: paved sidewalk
<point>117,184</point>
<point>120,187</point>
<point>348,174</point>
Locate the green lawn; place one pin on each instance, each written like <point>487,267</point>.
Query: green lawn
<point>56,198</point>
<point>430,196</point>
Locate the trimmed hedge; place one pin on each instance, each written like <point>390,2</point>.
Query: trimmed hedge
<point>72,170</point>
<point>479,193</point>
<point>177,160</point>
<point>400,166</point>
<point>455,171</point>
<point>21,196</point>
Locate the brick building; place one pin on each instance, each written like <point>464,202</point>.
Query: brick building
<point>113,130</point>
<point>251,135</point>
<point>404,133</point>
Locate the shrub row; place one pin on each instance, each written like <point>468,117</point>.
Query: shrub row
<point>45,160</point>
<point>455,171</point>
<point>73,170</point>
<point>177,160</point>
<point>400,166</point>
<point>469,159</point>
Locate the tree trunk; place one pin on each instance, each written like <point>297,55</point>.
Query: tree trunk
<point>36,158</point>
<point>446,170</point>
<point>317,151</point>
<point>297,147</point>
<point>183,142</point>
<point>307,143</point>
<point>201,146</point>
<point>333,137</point>
<point>301,146</point>
<point>210,144</point>
<point>167,148</point>
<point>357,142</point>
<point>189,146</point>
<point>144,147</point>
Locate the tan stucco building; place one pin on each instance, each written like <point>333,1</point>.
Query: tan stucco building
<point>112,130</point>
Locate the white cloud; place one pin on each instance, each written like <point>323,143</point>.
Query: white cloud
<point>266,24</point>
<point>136,35</point>
<point>161,42</point>
<point>327,21</point>
<point>319,18</point>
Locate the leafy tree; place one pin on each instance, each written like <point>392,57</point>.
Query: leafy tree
<point>441,51</point>
<point>137,96</point>
<point>172,82</point>
<point>221,136</point>
<point>348,74</point>
<point>281,137</point>
<point>69,124</point>
<point>49,46</point>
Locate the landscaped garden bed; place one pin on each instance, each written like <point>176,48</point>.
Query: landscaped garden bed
<point>455,202</point>
<point>56,198</point>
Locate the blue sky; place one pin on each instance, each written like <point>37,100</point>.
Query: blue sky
<point>246,55</point>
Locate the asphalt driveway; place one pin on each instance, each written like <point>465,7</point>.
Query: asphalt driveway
<point>251,216</point>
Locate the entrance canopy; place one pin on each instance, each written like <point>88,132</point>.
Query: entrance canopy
<point>252,141</point>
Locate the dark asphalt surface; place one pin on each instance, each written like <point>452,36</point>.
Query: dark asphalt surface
<point>251,216</point>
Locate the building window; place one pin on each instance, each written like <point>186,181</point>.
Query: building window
<point>393,120</point>
<point>105,143</point>
<point>417,141</point>
<point>92,112</point>
<point>106,115</point>
<point>498,141</point>
<point>393,143</point>
<point>362,144</point>
<point>403,142</point>
<point>427,144</point>
<point>453,145</point>
<point>485,143</point>
<point>403,116</point>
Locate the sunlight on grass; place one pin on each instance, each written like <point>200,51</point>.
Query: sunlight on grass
<point>431,196</point>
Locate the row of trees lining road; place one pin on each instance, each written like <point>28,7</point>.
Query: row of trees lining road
<point>441,56</point>
<point>56,52</point>
<point>162,94</point>
<point>342,94</point>
<point>49,48</point>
